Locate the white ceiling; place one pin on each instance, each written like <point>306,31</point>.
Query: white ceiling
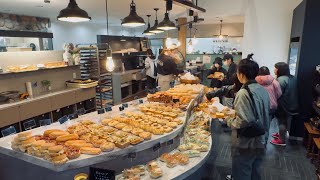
<point>230,10</point>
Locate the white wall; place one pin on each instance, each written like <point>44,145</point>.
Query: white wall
<point>267,30</point>
<point>84,33</point>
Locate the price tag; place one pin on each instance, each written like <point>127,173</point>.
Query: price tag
<point>8,131</point>
<point>29,124</point>
<point>81,111</point>
<point>45,122</point>
<point>108,109</point>
<point>176,100</point>
<point>100,111</point>
<point>132,155</point>
<point>169,143</point>
<point>140,101</point>
<point>121,108</point>
<point>101,174</point>
<point>156,147</point>
<point>63,119</point>
<point>125,105</point>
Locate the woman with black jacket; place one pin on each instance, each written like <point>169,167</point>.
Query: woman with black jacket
<point>217,67</point>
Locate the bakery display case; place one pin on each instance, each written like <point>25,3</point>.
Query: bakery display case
<point>125,140</point>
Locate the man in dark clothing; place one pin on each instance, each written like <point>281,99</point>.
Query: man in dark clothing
<point>217,67</point>
<point>232,70</point>
<point>167,68</point>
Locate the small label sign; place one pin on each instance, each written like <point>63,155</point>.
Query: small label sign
<point>45,122</point>
<point>132,155</point>
<point>63,119</point>
<point>121,108</point>
<point>101,174</point>
<point>108,109</point>
<point>140,101</point>
<point>156,147</point>
<point>8,131</point>
<point>169,143</point>
<point>100,111</point>
<point>29,124</point>
<point>125,105</point>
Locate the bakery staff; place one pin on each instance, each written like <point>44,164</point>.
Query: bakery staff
<point>167,69</point>
<point>151,70</point>
<point>217,67</point>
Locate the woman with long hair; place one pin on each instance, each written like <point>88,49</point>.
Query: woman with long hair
<point>287,103</point>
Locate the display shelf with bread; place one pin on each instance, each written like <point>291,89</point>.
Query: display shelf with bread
<point>182,162</point>
<point>90,140</point>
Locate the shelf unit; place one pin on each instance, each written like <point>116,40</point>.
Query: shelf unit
<point>92,65</point>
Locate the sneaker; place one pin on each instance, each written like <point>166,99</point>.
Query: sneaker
<point>229,177</point>
<point>276,135</point>
<point>278,142</point>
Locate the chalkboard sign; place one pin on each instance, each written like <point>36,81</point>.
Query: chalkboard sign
<point>45,122</point>
<point>175,100</point>
<point>71,116</point>
<point>63,119</point>
<point>140,101</point>
<point>100,111</point>
<point>156,147</point>
<point>169,143</point>
<point>132,155</point>
<point>8,131</point>
<point>101,174</point>
<point>29,124</point>
<point>108,109</point>
<point>125,105</point>
<point>81,111</point>
<point>121,108</point>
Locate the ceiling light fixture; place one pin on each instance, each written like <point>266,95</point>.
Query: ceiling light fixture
<point>220,35</point>
<point>166,24</point>
<point>133,20</point>
<point>109,61</point>
<point>147,31</point>
<point>73,13</point>
<point>154,29</point>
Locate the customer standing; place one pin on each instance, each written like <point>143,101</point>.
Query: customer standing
<point>217,67</point>
<point>252,108</point>
<point>232,69</point>
<point>151,71</point>
<point>287,103</point>
<point>167,69</point>
<point>272,86</point>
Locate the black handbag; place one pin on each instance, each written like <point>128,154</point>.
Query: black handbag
<point>253,128</point>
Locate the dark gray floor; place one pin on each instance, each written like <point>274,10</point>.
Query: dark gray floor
<point>289,163</point>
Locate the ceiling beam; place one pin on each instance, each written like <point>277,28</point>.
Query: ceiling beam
<point>188,5</point>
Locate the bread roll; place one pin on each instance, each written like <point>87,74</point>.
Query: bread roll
<point>90,151</point>
<point>107,146</point>
<point>80,145</point>
<point>48,132</point>
<point>70,142</point>
<point>56,134</point>
<point>24,136</point>
<point>59,160</point>
<point>68,137</point>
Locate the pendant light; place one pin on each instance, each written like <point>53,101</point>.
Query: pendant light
<point>154,29</point>
<point>166,24</point>
<point>147,31</point>
<point>109,61</point>
<point>73,13</point>
<point>222,36</point>
<point>133,20</point>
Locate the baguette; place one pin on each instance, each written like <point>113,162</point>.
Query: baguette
<point>71,142</point>
<point>48,132</point>
<point>68,137</point>
<point>90,151</point>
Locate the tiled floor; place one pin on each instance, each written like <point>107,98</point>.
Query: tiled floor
<point>289,163</point>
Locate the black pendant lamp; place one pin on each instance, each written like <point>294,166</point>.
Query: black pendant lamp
<point>154,29</point>
<point>166,24</point>
<point>133,20</point>
<point>73,13</point>
<point>147,31</point>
